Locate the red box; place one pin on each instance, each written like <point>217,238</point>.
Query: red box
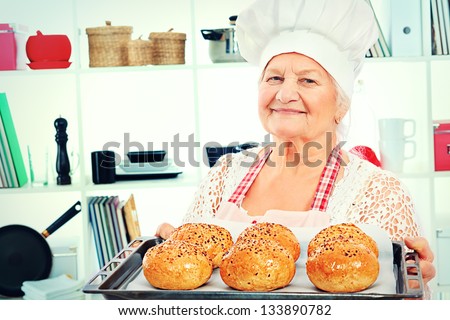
<point>8,48</point>
<point>13,39</point>
<point>441,145</point>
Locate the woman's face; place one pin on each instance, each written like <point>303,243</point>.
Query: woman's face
<point>297,99</point>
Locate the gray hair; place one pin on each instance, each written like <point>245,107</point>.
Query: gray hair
<point>343,103</point>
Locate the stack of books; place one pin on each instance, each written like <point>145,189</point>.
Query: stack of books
<point>12,167</point>
<point>380,48</point>
<point>114,224</point>
<point>440,27</point>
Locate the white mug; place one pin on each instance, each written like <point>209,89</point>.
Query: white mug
<point>393,153</point>
<point>396,128</point>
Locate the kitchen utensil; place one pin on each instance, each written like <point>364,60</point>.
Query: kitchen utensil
<point>146,167</point>
<point>38,65</point>
<point>62,157</point>
<point>146,156</point>
<point>396,128</point>
<point>26,255</point>
<point>215,152</point>
<point>115,279</point>
<point>171,172</point>
<point>223,46</point>
<point>103,166</point>
<point>393,153</point>
<point>52,47</point>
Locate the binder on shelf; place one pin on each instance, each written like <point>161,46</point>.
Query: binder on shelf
<point>108,219</point>
<point>131,219</point>
<point>16,163</point>
<point>446,24</point>
<point>406,24</point>
<point>111,227</point>
<point>383,44</point>
<point>121,222</point>
<point>444,40</point>
<point>101,230</point>
<point>110,206</point>
<point>5,160</point>
<point>380,48</point>
<point>113,202</point>
<point>95,231</point>
<point>106,227</point>
<point>3,183</point>
<point>436,36</point>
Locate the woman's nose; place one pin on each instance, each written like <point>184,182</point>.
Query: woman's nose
<point>288,92</point>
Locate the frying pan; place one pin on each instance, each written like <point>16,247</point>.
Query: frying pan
<point>25,253</point>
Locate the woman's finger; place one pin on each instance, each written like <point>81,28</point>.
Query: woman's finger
<point>164,230</point>
<point>428,271</point>
<point>421,246</point>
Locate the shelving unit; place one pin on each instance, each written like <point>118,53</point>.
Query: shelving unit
<point>152,104</point>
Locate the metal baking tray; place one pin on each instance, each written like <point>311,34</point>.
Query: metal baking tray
<point>112,280</point>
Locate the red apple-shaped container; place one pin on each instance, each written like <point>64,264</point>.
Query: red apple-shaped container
<point>48,51</point>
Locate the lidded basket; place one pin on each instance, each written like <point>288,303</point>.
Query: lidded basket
<point>140,52</point>
<point>168,47</point>
<point>108,45</point>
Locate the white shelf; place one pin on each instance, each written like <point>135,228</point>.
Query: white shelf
<point>148,68</point>
<point>183,180</point>
<point>51,188</point>
<point>441,174</point>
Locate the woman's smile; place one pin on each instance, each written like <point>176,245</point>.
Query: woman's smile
<point>287,111</point>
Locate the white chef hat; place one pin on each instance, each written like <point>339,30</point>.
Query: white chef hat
<point>335,33</point>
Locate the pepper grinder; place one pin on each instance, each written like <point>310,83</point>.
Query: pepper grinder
<point>62,158</point>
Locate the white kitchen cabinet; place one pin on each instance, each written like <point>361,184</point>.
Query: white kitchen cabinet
<point>212,102</point>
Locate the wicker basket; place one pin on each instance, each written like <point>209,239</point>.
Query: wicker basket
<point>108,46</point>
<point>168,47</point>
<point>140,52</point>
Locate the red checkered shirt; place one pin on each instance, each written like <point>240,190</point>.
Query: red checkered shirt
<point>323,190</point>
<point>327,179</point>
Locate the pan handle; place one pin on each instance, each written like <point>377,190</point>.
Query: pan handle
<point>69,214</point>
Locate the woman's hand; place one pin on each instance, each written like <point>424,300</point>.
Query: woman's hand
<point>426,256</point>
<point>164,230</point>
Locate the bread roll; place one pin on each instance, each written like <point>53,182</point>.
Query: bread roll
<point>257,265</point>
<point>176,265</point>
<point>273,231</point>
<point>342,267</point>
<point>215,240</point>
<point>347,232</point>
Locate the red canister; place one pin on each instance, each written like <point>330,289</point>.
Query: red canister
<point>441,145</point>
<point>50,47</point>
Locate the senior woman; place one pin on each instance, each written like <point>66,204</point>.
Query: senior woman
<point>310,53</point>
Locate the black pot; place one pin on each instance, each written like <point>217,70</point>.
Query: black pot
<point>223,46</point>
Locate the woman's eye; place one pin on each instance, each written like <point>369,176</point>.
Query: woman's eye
<point>275,79</point>
<point>308,81</point>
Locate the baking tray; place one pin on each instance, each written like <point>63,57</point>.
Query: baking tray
<point>113,279</point>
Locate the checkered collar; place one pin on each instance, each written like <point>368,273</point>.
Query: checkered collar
<point>324,188</point>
